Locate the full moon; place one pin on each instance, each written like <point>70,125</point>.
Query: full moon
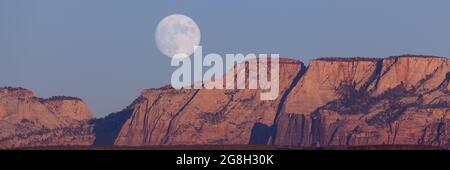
<point>177,34</point>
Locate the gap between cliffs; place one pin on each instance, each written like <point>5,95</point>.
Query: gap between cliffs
<point>262,133</point>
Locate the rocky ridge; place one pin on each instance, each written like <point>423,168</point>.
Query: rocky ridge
<point>333,101</point>
<point>402,100</point>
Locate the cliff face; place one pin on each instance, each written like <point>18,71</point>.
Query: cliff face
<point>322,79</point>
<point>169,116</point>
<point>334,101</point>
<point>69,109</point>
<point>398,100</point>
<point>26,120</point>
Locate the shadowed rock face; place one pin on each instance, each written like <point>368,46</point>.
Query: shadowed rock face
<point>26,120</point>
<point>107,129</point>
<point>333,101</point>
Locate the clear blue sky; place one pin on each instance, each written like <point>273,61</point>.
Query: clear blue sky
<point>104,51</point>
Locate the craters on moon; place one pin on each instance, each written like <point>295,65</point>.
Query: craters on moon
<point>177,34</point>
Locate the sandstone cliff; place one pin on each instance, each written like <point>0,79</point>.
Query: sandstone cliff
<point>26,120</point>
<point>187,117</point>
<point>334,101</point>
<point>331,102</point>
<point>397,100</point>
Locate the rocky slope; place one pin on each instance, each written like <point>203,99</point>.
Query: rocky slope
<point>26,120</point>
